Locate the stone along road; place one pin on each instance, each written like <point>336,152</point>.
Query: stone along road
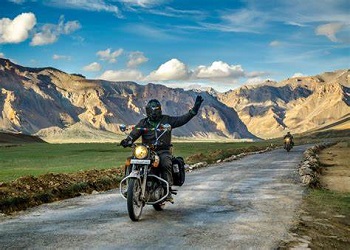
<point>249,203</point>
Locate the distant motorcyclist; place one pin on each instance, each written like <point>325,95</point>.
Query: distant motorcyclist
<point>288,135</point>
<point>149,134</point>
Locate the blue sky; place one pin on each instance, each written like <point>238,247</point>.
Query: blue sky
<point>180,43</point>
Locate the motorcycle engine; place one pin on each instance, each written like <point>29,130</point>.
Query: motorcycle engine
<point>155,192</point>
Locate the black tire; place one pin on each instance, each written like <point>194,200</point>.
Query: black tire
<point>159,206</point>
<point>134,202</point>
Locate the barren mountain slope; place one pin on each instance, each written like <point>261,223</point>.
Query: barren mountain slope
<point>296,105</point>
<point>44,100</point>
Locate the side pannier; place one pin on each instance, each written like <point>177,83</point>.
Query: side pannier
<point>178,171</point>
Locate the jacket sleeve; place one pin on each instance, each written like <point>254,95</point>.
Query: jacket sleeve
<point>136,133</point>
<point>178,121</point>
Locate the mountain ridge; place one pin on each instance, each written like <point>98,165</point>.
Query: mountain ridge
<point>39,99</point>
<point>46,101</point>
<point>297,104</point>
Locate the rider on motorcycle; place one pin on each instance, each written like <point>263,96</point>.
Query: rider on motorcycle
<point>288,135</point>
<point>153,120</point>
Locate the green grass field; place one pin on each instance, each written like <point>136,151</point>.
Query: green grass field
<point>40,158</point>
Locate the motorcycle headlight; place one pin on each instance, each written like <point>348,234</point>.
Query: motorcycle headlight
<point>287,139</point>
<point>140,152</point>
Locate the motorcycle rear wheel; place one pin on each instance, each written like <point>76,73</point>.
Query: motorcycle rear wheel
<point>134,202</point>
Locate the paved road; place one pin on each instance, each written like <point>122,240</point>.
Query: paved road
<point>245,204</point>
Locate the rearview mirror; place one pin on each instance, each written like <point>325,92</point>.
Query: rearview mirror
<point>166,127</point>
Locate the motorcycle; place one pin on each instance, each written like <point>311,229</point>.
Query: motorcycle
<point>287,144</point>
<point>143,184</point>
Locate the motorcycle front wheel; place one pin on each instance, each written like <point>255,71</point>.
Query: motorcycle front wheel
<point>134,202</point>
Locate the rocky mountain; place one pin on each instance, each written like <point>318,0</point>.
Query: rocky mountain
<point>47,101</point>
<point>297,104</point>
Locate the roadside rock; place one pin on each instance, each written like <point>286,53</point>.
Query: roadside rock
<point>309,168</point>
<point>197,165</point>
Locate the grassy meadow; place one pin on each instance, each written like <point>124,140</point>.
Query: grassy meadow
<point>40,158</point>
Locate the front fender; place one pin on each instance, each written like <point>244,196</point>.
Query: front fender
<point>134,174</point>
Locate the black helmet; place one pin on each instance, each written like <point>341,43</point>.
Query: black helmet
<point>154,110</point>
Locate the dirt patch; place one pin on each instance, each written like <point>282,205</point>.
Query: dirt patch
<point>324,219</point>
<point>336,167</point>
<point>31,191</point>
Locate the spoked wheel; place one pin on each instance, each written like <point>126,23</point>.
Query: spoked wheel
<point>134,202</point>
<point>159,206</point>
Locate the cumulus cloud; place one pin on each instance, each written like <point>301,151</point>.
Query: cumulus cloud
<point>68,27</point>
<point>108,55</point>
<point>219,70</point>
<point>329,30</point>
<point>122,75</point>
<point>171,70</point>
<point>136,58</point>
<point>61,57</point>
<point>298,75</point>
<point>49,33</point>
<point>254,81</point>
<point>93,67</point>
<point>18,29</point>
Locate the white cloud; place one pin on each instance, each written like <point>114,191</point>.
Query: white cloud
<point>121,75</point>
<point>143,3</point>
<point>68,27</point>
<point>47,35</point>
<point>153,32</point>
<point>108,55</point>
<point>219,70</point>
<point>18,29</point>
<point>254,81</point>
<point>244,20</point>
<point>275,43</point>
<point>50,32</point>
<point>17,1</point>
<point>89,5</point>
<point>329,30</point>
<point>61,57</point>
<point>171,70</point>
<point>298,75</point>
<point>136,58</point>
<point>93,67</point>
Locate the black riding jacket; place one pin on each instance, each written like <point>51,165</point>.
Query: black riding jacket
<point>288,136</point>
<point>148,130</point>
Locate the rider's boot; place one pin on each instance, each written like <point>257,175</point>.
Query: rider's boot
<point>170,197</point>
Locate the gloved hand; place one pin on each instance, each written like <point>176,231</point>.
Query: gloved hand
<point>197,104</point>
<point>126,143</point>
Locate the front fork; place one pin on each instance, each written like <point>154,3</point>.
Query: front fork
<point>136,174</point>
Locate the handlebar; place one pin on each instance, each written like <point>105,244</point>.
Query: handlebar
<point>149,129</point>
